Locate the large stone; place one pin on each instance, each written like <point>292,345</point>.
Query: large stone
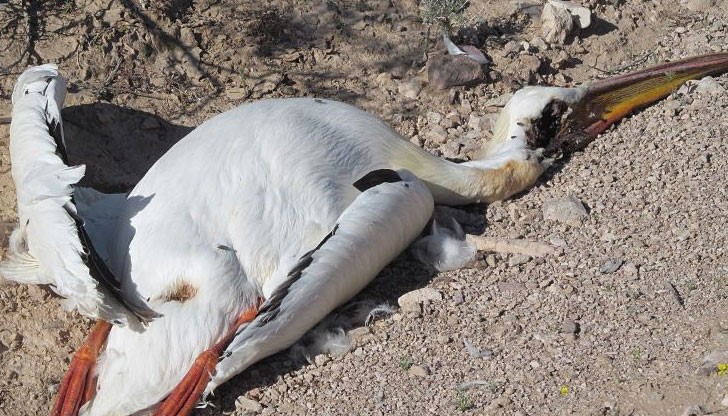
<point>581,15</point>
<point>566,210</point>
<point>445,71</point>
<point>556,24</point>
<point>560,18</point>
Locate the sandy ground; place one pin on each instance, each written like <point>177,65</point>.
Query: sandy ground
<point>563,334</point>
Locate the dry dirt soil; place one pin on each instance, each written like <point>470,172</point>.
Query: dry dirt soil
<point>512,335</point>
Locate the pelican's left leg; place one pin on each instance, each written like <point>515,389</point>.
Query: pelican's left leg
<point>378,225</point>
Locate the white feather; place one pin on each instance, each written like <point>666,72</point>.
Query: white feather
<point>445,248</point>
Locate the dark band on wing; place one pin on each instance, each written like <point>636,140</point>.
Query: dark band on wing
<point>377,177</point>
<point>101,273</point>
<point>272,307</point>
<point>55,129</point>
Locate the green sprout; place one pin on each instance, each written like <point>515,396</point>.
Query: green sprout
<point>406,362</point>
<point>462,401</point>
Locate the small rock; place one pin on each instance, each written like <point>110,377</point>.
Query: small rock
<point>434,118</point>
<point>532,63</point>
<point>412,301</point>
<point>419,371</point>
<point>711,361</point>
<point>384,78</point>
<point>693,410</point>
<point>569,327</point>
<point>445,71</point>
<point>321,359</point>
<point>630,269</point>
<point>512,47</point>
<point>539,44</point>
<point>490,260</point>
<point>558,242</point>
<point>510,286</point>
<point>410,89</point>
<point>458,298</point>
<point>475,351</point>
<point>10,340</point>
<point>36,292</point>
<point>436,134</point>
<point>518,259</point>
<point>360,336</point>
<point>53,388</point>
<point>611,266</point>
<point>700,5</point>
<point>237,93</point>
<point>566,210</point>
<point>719,334</point>
<point>724,402</point>
<point>246,405</point>
<point>114,15</point>
<point>709,86</point>
<point>475,122</point>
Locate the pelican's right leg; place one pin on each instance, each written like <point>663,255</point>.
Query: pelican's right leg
<point>79,383</point>
<point>187,394</point>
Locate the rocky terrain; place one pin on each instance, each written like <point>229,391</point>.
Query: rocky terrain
<point>628,316</point>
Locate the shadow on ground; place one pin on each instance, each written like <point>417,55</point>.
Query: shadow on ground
<point>118,145</point>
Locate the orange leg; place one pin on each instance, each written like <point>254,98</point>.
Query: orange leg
<point>79,383</point>
<point>183,399</point>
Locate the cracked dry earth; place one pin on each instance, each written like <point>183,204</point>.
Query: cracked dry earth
<point>629,317</point>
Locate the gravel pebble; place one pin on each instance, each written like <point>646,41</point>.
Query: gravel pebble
<point>247,406</point>
<point>518,259</point>
<point>412,301</point>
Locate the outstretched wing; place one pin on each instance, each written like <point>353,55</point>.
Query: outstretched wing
<point>380,224</point>
<point>51,244</point>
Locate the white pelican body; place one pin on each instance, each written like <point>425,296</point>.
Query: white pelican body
<point>286,178</point>
<point>295,202</point>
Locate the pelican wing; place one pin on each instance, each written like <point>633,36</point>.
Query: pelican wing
<point>51,244</point>
<point>381,223</point>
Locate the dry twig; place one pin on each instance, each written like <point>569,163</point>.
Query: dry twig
<point>529,248</point>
